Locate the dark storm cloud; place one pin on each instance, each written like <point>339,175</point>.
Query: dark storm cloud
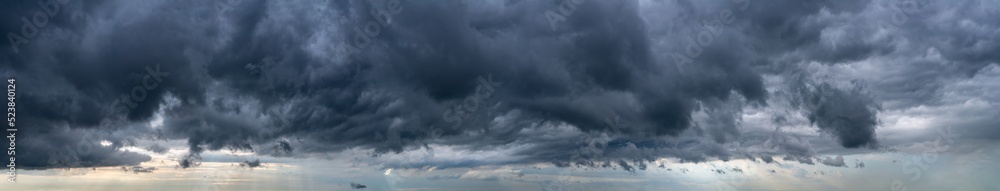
<point>423,60</point>
<point>847,114</point>
<point>70,148</point>
<point>72,86</point>
<point>394,94</point>
<point>294,79</point>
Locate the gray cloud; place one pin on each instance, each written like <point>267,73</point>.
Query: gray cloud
<point>847,114</point>
<point>251,164</point>
<point>357,186</point>
<point>834,162</point>
<point>601,90</point>
<point>157,148</point>
<point>767,159</point>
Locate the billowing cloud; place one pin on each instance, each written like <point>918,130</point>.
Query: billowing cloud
<point>611,84</point>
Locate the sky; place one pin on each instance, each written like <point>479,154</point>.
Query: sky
<point>502,94</point>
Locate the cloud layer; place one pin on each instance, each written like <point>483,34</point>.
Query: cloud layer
<point>616,83</point>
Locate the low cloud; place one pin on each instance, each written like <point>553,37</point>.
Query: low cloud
<point>834,162</point>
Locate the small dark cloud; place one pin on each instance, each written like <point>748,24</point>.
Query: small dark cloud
<point>737,169</point>
<point>357,186</point>
<point>803,160</point>
<point>138,169</point>
<point>251,164</point>
<point>766,159</point>
<point>625,166</point>
<point>189,161</point>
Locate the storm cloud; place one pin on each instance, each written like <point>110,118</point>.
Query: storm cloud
<point>617,83</point>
